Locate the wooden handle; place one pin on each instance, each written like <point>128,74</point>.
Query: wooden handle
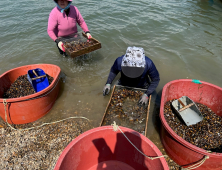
<point>35,73</point>
<point>38,77</point>
<point>84,34</point>
<point>181,102</point>
<point>187,106</point>
<point>90,38</point>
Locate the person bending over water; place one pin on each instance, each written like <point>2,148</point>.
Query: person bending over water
<point>136,71</point>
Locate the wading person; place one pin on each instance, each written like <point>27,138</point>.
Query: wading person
<point>63,21</point>
<point>137,70</point>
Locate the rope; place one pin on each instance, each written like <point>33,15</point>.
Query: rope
<point>116,127</point>
<point>5,104</point>
<point>198,164</point>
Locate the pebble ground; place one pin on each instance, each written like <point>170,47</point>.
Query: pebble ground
<point>40,148</point>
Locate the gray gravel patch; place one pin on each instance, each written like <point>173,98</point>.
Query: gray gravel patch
<point>38,148</point>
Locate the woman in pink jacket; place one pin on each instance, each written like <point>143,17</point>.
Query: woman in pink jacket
<point>62,22</point>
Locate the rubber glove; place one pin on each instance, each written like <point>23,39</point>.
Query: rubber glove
<point>88,35</point>
<point>106,89</point>
<point>60,45</point>
<point>143,100</point>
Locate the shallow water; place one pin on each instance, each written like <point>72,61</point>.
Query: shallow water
<point>183,38</point>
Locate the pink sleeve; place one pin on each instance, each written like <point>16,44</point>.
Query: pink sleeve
<point>81,21</point>
<point>52,23</point>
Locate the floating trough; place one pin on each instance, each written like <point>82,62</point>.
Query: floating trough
<point>32,107</point>
<point>103,148</point>
<point>96,45</point>
<point>182,152</point>
<point>116,87</point>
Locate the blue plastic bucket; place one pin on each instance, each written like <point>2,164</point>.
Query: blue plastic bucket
<point>39,83</point>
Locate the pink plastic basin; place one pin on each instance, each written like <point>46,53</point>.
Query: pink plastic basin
<point>181,151</point>
<point>103,149</point>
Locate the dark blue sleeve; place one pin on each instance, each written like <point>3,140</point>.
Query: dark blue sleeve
<point>154,77</point>
<point>115,69</point>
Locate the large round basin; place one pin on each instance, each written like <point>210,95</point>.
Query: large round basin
<point>104,149</point>
<point>181,151</point>
<point>32,107</point>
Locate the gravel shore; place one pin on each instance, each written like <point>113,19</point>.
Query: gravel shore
<point>38,148</point>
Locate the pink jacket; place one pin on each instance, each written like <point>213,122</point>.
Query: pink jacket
<point>59,24</point>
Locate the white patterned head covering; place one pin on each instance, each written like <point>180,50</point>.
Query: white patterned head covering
<point>133,62</point>
<point>134,57</point>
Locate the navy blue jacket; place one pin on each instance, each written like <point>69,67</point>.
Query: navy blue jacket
<point>149,79</point>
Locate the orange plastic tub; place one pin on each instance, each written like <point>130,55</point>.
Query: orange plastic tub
<point>32,107</point>
<point>102,148</point>
<point>182,152</point>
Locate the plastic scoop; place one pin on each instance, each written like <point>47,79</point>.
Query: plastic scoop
<point>38,79</point>
<point>187,110</point>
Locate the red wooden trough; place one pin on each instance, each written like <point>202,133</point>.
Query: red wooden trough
<point>102,148</point>
<point>32,107</point>
<point>181,151</point>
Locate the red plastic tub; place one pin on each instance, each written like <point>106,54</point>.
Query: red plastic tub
<point>103,149</point>
<point>181,151</point>
<point>32,107</point>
